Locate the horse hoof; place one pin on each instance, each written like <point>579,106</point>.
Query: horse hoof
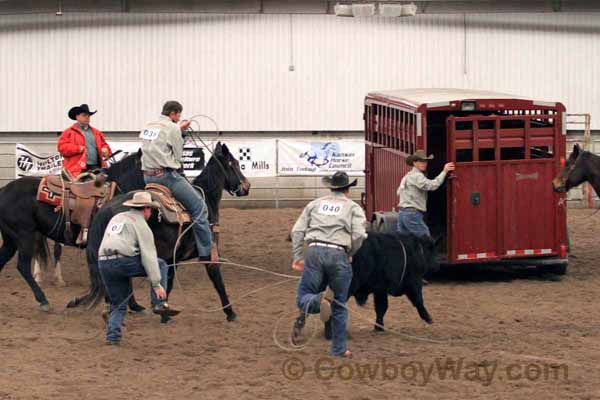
<point>73,303</point>
<point>231,316</point>
<point>61,283</point>
<point>136,308</point>
<point>45,307</point>
<point>378,328</point>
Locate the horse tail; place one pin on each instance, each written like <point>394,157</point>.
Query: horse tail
<point>96,291</point>
<point>41,251</point>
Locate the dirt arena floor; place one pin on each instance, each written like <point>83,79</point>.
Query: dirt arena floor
<point>497,334</point>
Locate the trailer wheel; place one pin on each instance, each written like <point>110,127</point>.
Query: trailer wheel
<point>556,269</point>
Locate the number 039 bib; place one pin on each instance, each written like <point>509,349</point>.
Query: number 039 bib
<point>150,134</point>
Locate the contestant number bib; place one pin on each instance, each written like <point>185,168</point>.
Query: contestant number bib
<point>116,228</point>
<point>330,208</point>
<point>149,134</point>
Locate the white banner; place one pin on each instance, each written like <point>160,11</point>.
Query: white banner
<point>319,157</point>
<point>28,163</point>
<point>257,157</point>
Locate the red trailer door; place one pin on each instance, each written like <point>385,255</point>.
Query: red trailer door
<point>500,200</point>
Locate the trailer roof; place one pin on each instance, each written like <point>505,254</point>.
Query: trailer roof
<point>441,96</point>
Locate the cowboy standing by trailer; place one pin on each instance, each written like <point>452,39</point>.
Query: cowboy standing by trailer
<point>334,227</point>
<point>162,150</point>
<point>82,146</point>
<point>413,194</point>
<point>127,250</point>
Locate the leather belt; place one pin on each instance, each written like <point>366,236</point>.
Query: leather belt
<point>411,209</point>
<point>331,246</point>
<point>113,257</point>
<point>154,172</point>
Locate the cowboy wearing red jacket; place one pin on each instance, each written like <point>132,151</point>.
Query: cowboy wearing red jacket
<point>83,147</point>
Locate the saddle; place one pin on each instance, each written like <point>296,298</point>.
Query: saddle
<point>78,198</point>
<point>171,210</point>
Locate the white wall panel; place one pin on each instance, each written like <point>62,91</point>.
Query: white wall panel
<point>235,68</point>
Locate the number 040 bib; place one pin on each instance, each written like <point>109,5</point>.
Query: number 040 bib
<point>330,208</point>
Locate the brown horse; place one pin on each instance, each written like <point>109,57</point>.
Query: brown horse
<point>581,166</point>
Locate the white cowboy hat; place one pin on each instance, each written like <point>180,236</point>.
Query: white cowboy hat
<point>140,200</point>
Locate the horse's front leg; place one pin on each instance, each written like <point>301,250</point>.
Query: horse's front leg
<point>214,273</point>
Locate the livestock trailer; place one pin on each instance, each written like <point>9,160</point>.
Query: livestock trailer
<point>498,206</point>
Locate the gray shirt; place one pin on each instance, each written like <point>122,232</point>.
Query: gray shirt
<point>414,187</point>
<point>162,145</point>
<point>128,234</point>
<point>331,219</point>
<point>91,150</point>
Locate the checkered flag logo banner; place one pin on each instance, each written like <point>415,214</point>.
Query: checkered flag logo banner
<point>245,154</point>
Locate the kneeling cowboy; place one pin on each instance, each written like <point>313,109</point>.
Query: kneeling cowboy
<point>334,227</point>
<point>127,250</point>
<point>413,194</point>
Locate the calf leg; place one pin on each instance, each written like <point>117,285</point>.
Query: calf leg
<point>415,295</point>
<point>381,306</point>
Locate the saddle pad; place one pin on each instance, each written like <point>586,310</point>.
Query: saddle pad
<point>46,195</point>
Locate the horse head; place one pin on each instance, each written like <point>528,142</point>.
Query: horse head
<point>235,181</point>
<point>573,173</point>
<point>127,172</point>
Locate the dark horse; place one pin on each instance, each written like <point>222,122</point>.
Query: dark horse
<point>582,166</point>
<point>221,173</point>
<point>24,220</point>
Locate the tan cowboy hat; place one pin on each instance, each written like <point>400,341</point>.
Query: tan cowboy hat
<point>140,200</point>
<point>419,155</point>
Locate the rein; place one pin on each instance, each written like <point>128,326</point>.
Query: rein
<point>192,134</point>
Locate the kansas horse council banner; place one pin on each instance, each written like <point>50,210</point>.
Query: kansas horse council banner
<point>312,157</point>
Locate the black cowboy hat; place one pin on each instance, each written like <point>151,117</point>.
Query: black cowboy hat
<point>75,111</point>
<point>339,180</point>
<point>419,155</point>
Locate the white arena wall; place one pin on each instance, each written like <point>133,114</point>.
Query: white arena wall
<point>275,75</point>
<point>281,73</point>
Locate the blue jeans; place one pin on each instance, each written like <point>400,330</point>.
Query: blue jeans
<point>193,202</point>
<point>115,275</point>
<point>321,263</point>
<point>411,222</point>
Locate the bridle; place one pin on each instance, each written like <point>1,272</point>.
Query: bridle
<point>196,138</point>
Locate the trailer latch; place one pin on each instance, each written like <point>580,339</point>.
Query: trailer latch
<point>475,198</point>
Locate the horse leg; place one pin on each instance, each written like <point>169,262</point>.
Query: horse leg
<point>381,306</point>
<point>58,268</point>
<point>214,273</point>
<point>415,295</point>
<point>24,267</point>
<point>132,303</point>
<point>7,251</point>
<point>37,272</point>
